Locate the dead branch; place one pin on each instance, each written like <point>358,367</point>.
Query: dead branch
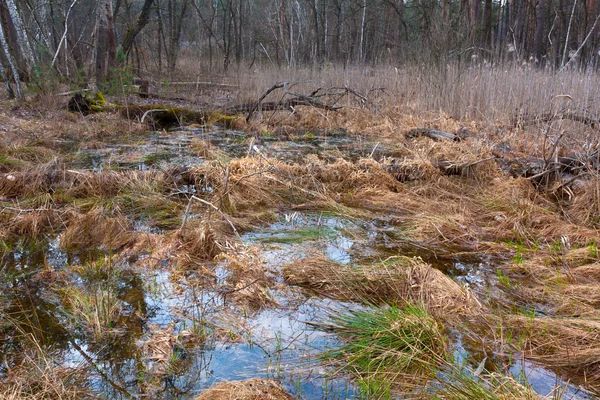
<point>297,99</point>
<point>433,134</point>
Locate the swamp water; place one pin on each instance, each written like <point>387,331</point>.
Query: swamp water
<point>179,333</point>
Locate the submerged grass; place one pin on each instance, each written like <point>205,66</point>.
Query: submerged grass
<point>299,235</point>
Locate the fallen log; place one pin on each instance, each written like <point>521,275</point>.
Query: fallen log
<point>161,117</point>
<point>314,99</point>
<point>433,134</point>
<point>406,172</point>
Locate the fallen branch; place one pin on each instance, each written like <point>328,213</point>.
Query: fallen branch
<point>298,99</point>
<point>433,134</point>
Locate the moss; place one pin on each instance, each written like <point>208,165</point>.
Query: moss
<point>164,117</point>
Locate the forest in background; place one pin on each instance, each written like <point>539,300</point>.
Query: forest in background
<point>83,40</point>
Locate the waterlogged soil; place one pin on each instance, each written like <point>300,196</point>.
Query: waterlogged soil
<point>181,332</point>
<point>181,148</point>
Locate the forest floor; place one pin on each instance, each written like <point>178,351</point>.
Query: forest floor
<point>305,253</point>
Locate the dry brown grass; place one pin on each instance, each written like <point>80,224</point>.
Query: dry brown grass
<point>567,343</point>
<point>250,389</point>
<point>37,379</point>
<point>399,280</point>
<point>200,241</point>
<point>248,283</point>
<point>96,230</point>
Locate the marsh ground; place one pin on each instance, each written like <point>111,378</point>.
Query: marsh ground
<point>326,250</point>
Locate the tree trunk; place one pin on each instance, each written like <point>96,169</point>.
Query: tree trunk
<point>9,90</point>
<point>540,31</point>
<point>487,23</point>
<point>140,23</point>
<point>105,42</point>
<point>11,63</point>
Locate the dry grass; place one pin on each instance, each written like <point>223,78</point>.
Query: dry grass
<point>481,210</point>
<point>398,280</point>
<point>247,284</point>
<point>199,241</point>
<point>37,378</point>
<point>96,230</point>
<point>570,344</point>
<point>250,389</point>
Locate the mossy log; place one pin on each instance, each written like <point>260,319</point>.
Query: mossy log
<point>162,117</point>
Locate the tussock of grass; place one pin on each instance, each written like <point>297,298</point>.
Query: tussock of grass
<point>387,346</point>
<point>34,224</point>
<point>585,206</point>
<point>95,230</point>
<point>96,311</point>
<point>399,280</point>
<point>199,241</point>
<point>155,210</point>
<point>37,378</point>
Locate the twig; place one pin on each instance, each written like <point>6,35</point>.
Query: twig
<point>62,39</point>
<point>187,213</point>
<point>208,203</point>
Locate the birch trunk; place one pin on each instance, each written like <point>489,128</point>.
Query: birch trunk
<point>24,44</point>
<point>4,77</point>
<point>11,62</point>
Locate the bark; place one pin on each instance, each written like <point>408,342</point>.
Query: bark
<point>540,30</point>
<point>11,61</point>
<point>140,23</point>
<point>487,22</point>
<point>105,42</point>
<point>24,44</point>
<point>9,90</point>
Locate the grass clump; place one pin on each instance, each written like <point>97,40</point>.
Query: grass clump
<point>387,346</point>
<point>398,281</point>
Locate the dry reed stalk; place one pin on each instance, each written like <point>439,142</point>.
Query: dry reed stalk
<point>398,280</point>
<point>250,389</point>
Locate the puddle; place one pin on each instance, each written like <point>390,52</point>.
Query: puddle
<point>227,343</point>
<point>208,339</point>
<point>543,381</point>
<point>160,149</point>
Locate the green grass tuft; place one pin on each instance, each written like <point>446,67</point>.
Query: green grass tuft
<point>387,345</point>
